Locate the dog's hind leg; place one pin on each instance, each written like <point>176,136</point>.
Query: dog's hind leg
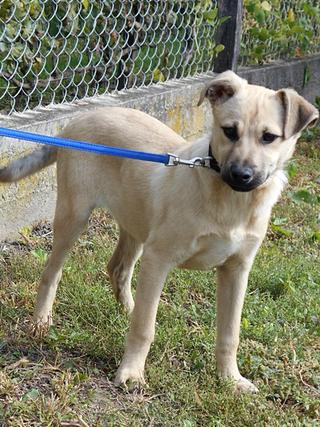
<point>121,266</point>
<point>70,219</point>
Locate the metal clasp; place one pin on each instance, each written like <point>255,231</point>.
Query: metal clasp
<point>174,160</point>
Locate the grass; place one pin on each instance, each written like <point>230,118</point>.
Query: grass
<point>66,379</point>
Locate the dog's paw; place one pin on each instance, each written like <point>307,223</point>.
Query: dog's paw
<point>242,385</point>
<point>239,384</point>
<point>125,298</point>
<point>127,374</point>
<point>39,328</point>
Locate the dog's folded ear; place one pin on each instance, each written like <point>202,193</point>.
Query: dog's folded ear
<point>298,113</point>
<point>222,87</point>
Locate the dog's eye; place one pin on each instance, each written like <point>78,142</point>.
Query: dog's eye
<point>231,133</point>
<point>267,138</point>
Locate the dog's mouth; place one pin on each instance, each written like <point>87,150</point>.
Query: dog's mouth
<point>244,188</point>
<point>243,185</point>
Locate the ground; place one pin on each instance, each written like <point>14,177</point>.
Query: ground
<point>66,379</point>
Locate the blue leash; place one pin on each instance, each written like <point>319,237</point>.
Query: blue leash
<point>85,146</point>
<point>167,159</point>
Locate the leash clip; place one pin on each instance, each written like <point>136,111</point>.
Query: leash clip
<point>174,160</point>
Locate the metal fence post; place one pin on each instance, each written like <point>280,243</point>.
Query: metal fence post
<point>229,34</point>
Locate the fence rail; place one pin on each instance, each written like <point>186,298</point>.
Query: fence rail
<point>55,51</point>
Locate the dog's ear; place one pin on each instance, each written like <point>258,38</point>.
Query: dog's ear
<point>222,87</point>
<point>298,113</point>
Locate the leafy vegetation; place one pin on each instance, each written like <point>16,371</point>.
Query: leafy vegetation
<point>276,29</point>
<point>65,380</point>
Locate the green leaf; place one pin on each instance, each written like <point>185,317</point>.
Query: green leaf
<point>303,196</point>
<point>85,4</point>
<point>219,48</point>
<point>309,10</point>
<point>210,15</point>
<point>291,15</point>
<point>263,34</point>
<point>292,169</point>
<point>32,394</point>
<point>297,29</point>
<point>40,254</point>
<point>245,323</point>
<point>282,231</point>
<point>260,17</point>
<point>251,7</point>
<point>316,236</point>
<point>223,19</point>
<point>158,76</point>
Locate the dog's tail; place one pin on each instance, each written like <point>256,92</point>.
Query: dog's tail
<point>29,164</point>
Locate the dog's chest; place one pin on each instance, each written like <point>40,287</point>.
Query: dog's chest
<point>213,250</point>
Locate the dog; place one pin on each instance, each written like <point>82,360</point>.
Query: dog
<point>196,218</point>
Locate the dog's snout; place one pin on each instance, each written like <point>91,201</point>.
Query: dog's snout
<point>241,174</point>
<point>242,177</point>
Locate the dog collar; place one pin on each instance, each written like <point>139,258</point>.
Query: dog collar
<point>213,161</point>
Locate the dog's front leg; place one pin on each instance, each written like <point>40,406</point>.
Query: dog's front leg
<point>231,288</point>
<point>152,276</point>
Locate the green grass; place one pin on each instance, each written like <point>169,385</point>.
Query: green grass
<point>66,380</point>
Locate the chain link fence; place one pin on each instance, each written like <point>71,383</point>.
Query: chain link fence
<point>60,51</point>
<point>55,51</point>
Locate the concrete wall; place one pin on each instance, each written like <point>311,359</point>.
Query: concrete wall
<point>174,103</point>
<point>301,74</point>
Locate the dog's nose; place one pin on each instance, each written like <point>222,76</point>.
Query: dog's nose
<point>241,174</point>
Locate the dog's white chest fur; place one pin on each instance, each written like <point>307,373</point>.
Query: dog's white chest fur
<point>213,250</point>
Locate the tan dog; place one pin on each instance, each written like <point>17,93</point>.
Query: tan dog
<point>190,218</point>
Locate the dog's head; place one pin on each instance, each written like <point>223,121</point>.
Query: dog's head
<point>255,128</point>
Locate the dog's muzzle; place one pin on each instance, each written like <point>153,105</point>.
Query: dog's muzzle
<point>241,178</point>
